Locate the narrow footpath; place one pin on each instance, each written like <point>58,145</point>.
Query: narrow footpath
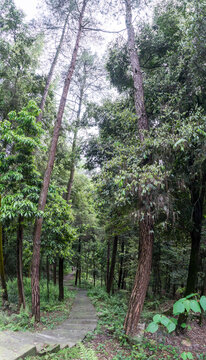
<point>82,319</point>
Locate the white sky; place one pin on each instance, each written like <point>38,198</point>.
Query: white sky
<point>28,6</point>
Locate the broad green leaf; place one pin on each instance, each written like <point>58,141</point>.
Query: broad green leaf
<point>187,305</point>
<point>178,308</point>
<point>152,327</point>
<point>171,327</point>
<point>164,320</point>
<point>203,302</point>
<point>157,318</point>
<point>195,306</point>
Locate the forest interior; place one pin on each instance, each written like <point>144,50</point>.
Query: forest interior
<point>103,175</point>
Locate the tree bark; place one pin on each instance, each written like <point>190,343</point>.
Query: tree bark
<point>121,265</point>
<point>113,262</point>
<point>197,191</point>
<point>74,143</point>
<point>142,277</point>
<point>55,273</point>
<point>61,279</point>
<point>108,261</point>
<point>146,224</point>
<point>19,252</point>
<point>2,271</point>
<point>47,176</point>
<point>51,71</point>
<point>197,199</point>
<point>78,269</point>
<point>47,276</point>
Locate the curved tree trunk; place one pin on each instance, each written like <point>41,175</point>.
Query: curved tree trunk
<point>146,224</point>
<point>47,176</point>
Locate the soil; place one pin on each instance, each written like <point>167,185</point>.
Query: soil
<point>194,341</point>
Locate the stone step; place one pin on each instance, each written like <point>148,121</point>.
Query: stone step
<point>82,319</point>
<point>16,353</point>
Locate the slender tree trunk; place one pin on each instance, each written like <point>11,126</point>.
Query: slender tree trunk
<point>197,190</point>
<point>55,272</point>
<point>108,261</point>
<point>112,267</point>
<point>47,176</point>
<point>74,143</point>
<point>94,272</point>
<point>47,275</point>
<point>2,271</point>
<point>146,224</point>
<point>61,279</point>
<point>197,199</point>
<point>19,252</point>
<point>121,265</point>
<point>204,286</point>
<point>50,75</point>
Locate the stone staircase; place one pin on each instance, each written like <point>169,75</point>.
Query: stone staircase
<point>82,319</point>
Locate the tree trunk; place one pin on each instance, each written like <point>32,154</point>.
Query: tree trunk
<point>53,65</point>
<point>47,176</point>
<point>197,191</point>
<point>78,272</point>
<point>55,273</point>
<point>2,271</point>
<point>197,200</point>
<point>121,265</point>
<point>146,224</point>
<point>74,143</point>
<point>19,252</point>
<point>112,267</point>
<point>61,279</point>
<point>47,276</point>
<point>141,279</point>
<point>108,261</point>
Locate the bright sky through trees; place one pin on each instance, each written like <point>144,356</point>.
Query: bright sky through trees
<point>29,7</point>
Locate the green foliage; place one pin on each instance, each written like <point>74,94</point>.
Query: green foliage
<point>86,353</point>
<point>111,311</point>
<point>186,355</point>
<point>19,55</point>
<point>181,306</point>
<point>19,176</point>
<point>23,320</point>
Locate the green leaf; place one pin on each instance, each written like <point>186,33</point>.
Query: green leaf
<point>152,327</point>
<point>203,302</point>
<point>164,320</point>
<point>157,318</point>
<point>179,142</point>
<point>183,325</point>
<point>178,308</point>
<point>195,306</point>
<point>187,305</point>
<point>191,295</point>
<point>189,355</point>
<point>171,327</point>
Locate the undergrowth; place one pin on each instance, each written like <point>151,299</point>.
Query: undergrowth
<point>52,310</point>
<point>111,311</point>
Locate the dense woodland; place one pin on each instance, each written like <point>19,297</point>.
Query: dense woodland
<point>102,157</point>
